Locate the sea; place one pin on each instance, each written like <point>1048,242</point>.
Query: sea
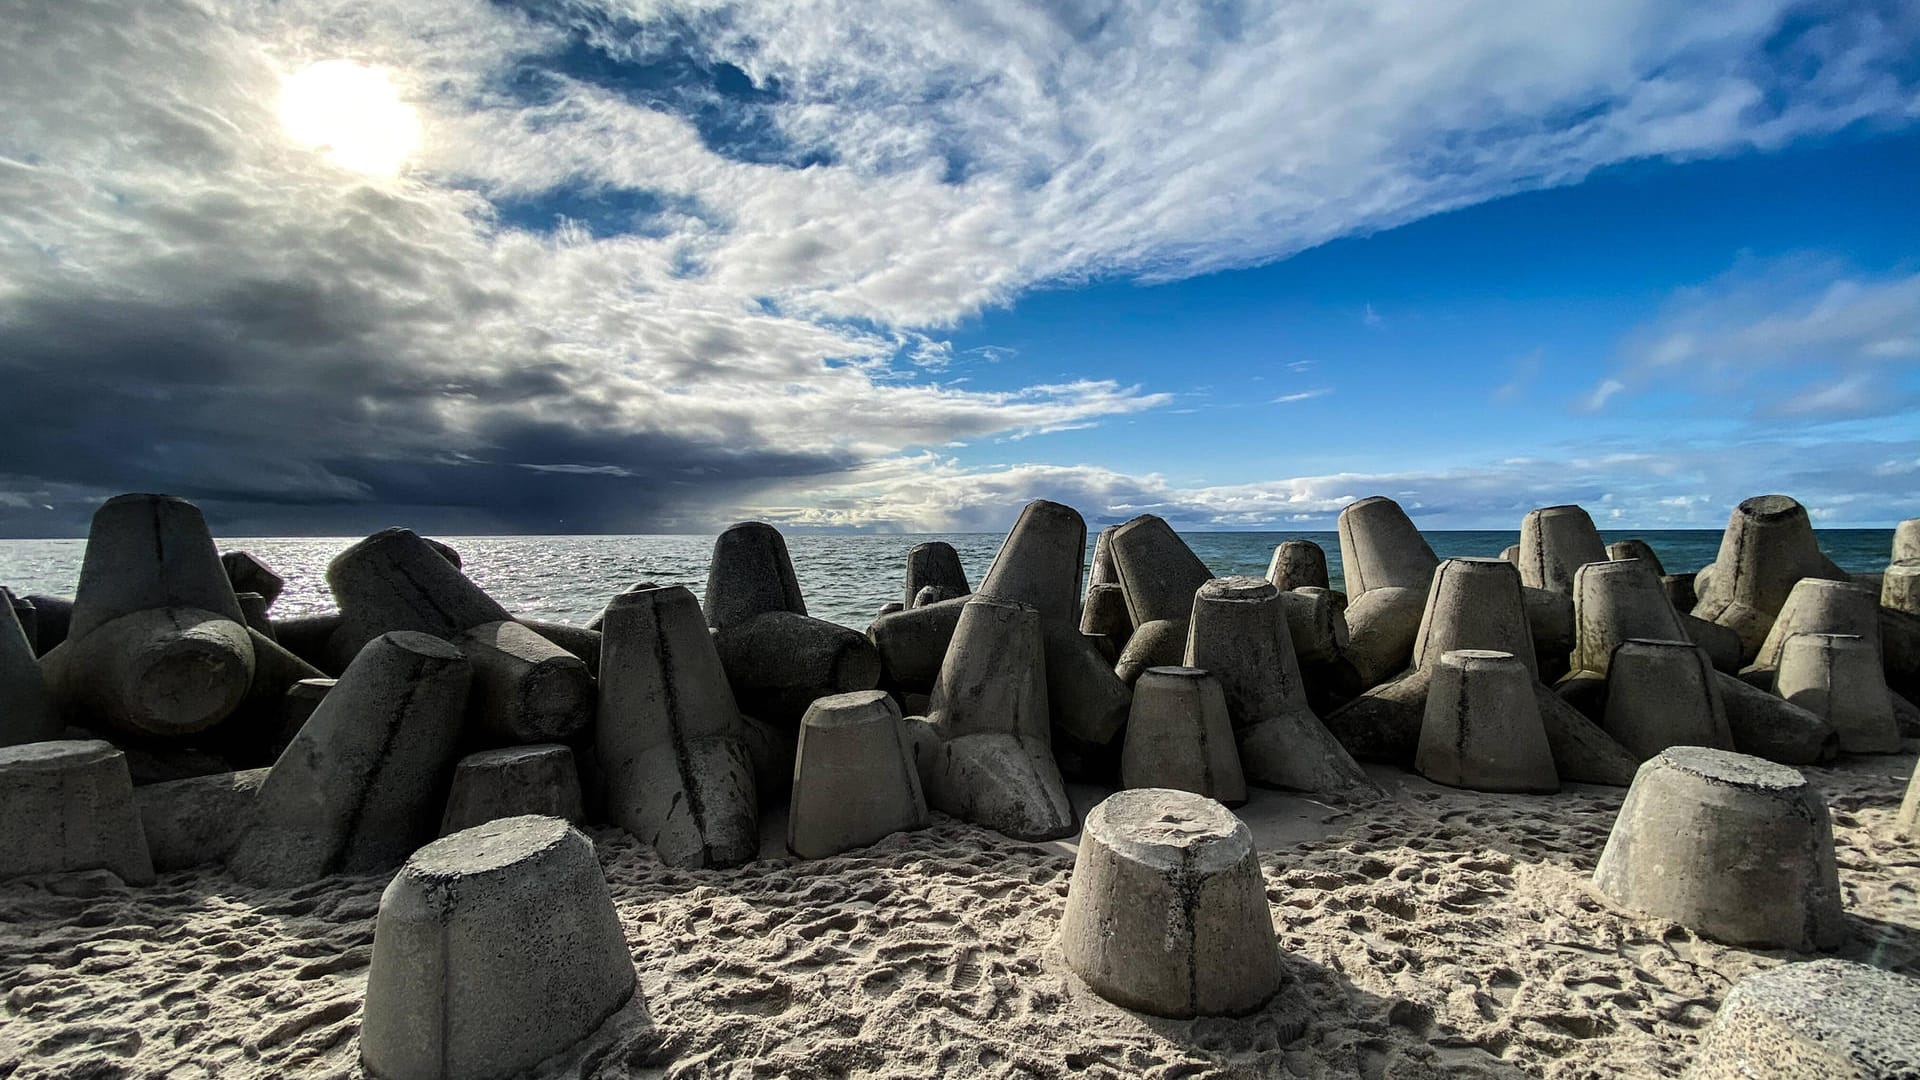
<point>845,578</point>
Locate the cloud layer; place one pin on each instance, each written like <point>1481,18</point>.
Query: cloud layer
<point>659,265</point>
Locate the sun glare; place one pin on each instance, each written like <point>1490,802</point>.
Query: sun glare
<point>351,112</point>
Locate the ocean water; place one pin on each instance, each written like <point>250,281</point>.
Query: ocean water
<point>844,578</point>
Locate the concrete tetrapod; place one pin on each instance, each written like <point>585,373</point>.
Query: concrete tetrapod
<point>1238,632</point>
<point>778,658</point>
<point>1106,614</point>
<point>1159,572</point>
<point>26,710</point>
<point>854,777</point>
<point>1622,550</point>
<point>1730,846</point>
<point>1179,735</point>
<point>1614,601</point>
<point>366,779</point>
<point>68,805</point>
<point>1900,588</point>
<point>511,782</point>
<point>247,573</point>
<point>1379,547</point>
<point>1298,564</point>
<point>1767,548</point>
<point>526,689</point>
<point>984,751</point>
<point>1381,627</point>
<point>147,552</point>
<point>1555,541</point>
<point>674,770</point>
<point>196,821</point>
<point>1482,729</point>
<point>1906,541</point>
<point>1167,909</point>
<point>1039,565</point>
<point>1661,694</point>
<point>1766,725</point>
<point>1159,643</point>
<point>495,949</point>
<point>934,563</point>
<point>1819,1020</point>
<point>1837,677</point>
<point>1318,628</point>
<point>1819,606</point>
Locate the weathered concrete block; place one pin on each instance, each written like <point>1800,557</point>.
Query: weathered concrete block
<point>1105,613</point>
<point>1730,846</point>
<point>1837,677</point>
<point>929,594</point>
<point>1767,548</point>
<point>395,580</point>
<point>512,782</point>
<point>1900,587</point>
<point>1661,694</point>
<point>1616,601</point>
<point>1622,550</point>
<point>1379,548</point>
<point>1159,572</point>
<point>1556,541</point>
<point>934,564</point>
<point>1680,592</point>
<point>247,572</point>
<point>854,777</point>
<point>157,671</point>
<point>307,637</point>
<point>1167,911</point>
<point>912,643</point>
<point>1720,643</point>
<point>148,552</point>
<point>526,689</point>
<point>1298,564</point>
<point>750,575</point>
<point>1820,1020</point>
<point>1906,541</point>
<point>1482,728</point>
<point>1317,628</point>
<point>1551,625</point>
<point>197,821</point>
<point>364,782</point>
<point>254,607</point>
<point>1475,604</point>
<point>1159,643</point>
<point>986,755</point>
<point>495,948</point>
<point>1239,633</point>
<point>1382,625</point>
<point>675,771</point>
<point>1769,726</point>
<point>578,640</point>
<point>1583,753</point>
<point>68,805</point>
<point>1511,553</point>
<point>778,663</point>
<point>27,714</point>
<point>1180,736</point>
<point>1819,606</point>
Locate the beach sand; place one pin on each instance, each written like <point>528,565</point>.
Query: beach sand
<point>1441,933</point>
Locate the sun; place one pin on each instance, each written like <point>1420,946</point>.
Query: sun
<point>353,113</point>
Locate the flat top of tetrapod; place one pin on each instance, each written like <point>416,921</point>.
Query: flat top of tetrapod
<point>483,848</point>
<point>56,752</point>
<point>852,708</point>
<point>1864,1012</point>
<point>1163,817</point>
<point>1727,767</point>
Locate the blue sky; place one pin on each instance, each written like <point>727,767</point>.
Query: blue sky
<point>608,266</point>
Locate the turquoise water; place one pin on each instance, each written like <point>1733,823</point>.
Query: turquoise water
<point>845,578</point>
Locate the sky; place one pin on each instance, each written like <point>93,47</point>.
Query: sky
<point>326,266</point>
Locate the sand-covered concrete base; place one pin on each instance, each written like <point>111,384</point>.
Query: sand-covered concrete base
<point>1445,933</point>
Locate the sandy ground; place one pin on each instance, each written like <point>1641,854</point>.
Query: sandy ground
<point>1443,933</point>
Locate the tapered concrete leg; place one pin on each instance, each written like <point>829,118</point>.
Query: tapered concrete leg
<point>1383,724</point>
<point>365,781</point>
<point>1622,550</point>
<point>1583,753</point>
<point>25,615</point>
<point>1680,592</point>
<point>1379,547</point>
<point>196,821</point>
<point>1821,1020</point>
<point>1818,606</point>
<point>1180,736</point>
<point>934,564</point>
<point>1837,678</point>
<point>911,644</point>
<point>256,733</point>
<point>854,778</point>
<point>1661,694</point>
<point>1900,588</point>
<point>52,615</point>
<point>989,759</point>
<point>1298,564</point>
<point>1768,726</point>
<point>1100,571</point>
<point>1317,628</point>
<point>254,607</point>
<point>1087,700</point>
<point>1767,548</point>
<point>1167,912</point>
<point>247,572</point>
<point>1105,613</point>
<point>1157,569</point>
<point>26,709</point>
<point>1159,643</point>
<point>146,552</point>
<point>932,594</point>
<point>1555,542</point>
<point>68,805</point>
<point>1382,626</point>
<point>1721,644</point>
<point>674,771</point>
<point>510,782</point>
<point>1511,553</point>
<point>158,671</point>
<point>1906,541</point>
<point>394,580</point>
<point>1550,623</point>
<point>495,948</point>
<point>779,662</point>
<point>1239,634</point>
<point>308,637</point>
<point>526,689</point>
<point>750,575</point>
<point>1039,563</point>
<point>578,640</point>
<point>1616,601</point>
<point>1482,728</point>
<point>1732,847</point>
<point>1475,604</point>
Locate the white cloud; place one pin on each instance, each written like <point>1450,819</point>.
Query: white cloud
<point>1302,395</point>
